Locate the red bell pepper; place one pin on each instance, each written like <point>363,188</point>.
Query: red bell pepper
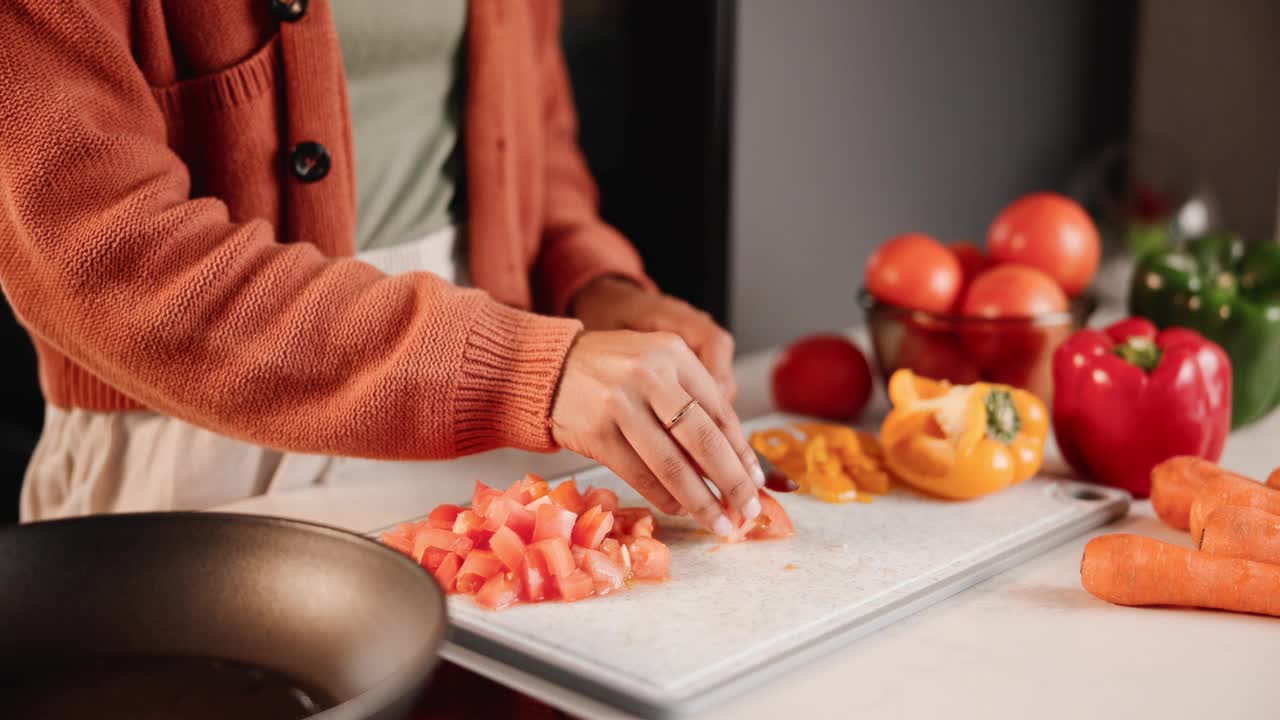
<point>1129,397</point>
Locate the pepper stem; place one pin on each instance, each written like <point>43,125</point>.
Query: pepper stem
<point>1140,351</point>
<point>1003,421</point>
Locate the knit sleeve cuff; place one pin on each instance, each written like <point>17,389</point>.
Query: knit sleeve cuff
<point>510,371</point>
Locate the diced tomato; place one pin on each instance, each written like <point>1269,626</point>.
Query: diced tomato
<point>408,530</point>
<point>505,511</point>
<point>553,521</point>
<point>466,522</point>
<point>618,553</point>
<point>533,506</point>
<point>479,566</point>
<point>443,516</point>
<point>644,527</point>
<point>500,591</point>
<point>432,557</point>
<point>434,537</point>
<point>556,555</point>
<point>575,586</point>
<point>625,561</point>
<point>604,497</point>
<point>472,526</point>
<point>509,548</point>
<point>592,528</point>
<point>496,514</point>
<point>606,575</point>
<point>447,572</point>
<point>527,489</point>
<point>650,559</point>
<point>508,512</point>
<point>773,521</point>
<point>536,585</point>
<point>533,543</point>
<point>522,521</point>
<point>566,495</point>
<point>481,498</point>
<point>397,541</point>
<point>443,539</point>
<point>637,521</point>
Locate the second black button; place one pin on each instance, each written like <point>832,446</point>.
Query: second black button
<point>309,161</point>
<point>288,10</point>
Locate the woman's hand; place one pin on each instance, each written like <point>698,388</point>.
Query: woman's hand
<point>611,303</point>
<point>619,388</point>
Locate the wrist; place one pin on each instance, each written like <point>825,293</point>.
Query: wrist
<point>601,292</point>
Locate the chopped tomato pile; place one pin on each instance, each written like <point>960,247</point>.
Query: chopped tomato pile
<point>534,543</point>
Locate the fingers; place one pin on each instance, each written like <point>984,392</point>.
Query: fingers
<point>716,353</point>
<point>714,347</point>
<point>618,454</point>
<point>704,441</point>
<point>721,412</point>
<point>730,390</point>
<point>669,464</point>
<point>728,463</point>
<point>616,391</point>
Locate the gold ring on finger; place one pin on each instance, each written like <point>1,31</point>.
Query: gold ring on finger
<point>680,415</point>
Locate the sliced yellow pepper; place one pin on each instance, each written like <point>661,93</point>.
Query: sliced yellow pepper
<point>962,441</point>
<point>824,476</point>
<point>834,463</point>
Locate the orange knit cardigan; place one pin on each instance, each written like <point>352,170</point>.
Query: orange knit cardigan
<point>161,253</point>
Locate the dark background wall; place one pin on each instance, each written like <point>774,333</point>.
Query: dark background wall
<point>651,82</point>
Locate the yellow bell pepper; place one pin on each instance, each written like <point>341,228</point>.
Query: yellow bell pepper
<point>961,441</point>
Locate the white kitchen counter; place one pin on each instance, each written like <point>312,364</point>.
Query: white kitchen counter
<point>1029,643</point>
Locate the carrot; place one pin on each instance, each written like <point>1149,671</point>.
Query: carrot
<point>1176,482</point>
<point>1211,498</point>
<point>1242,532</point>
<point>1135,570</point>
<point>1273,480</point>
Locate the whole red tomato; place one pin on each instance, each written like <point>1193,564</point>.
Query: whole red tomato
<point>1050,232</point>
<point>1004,350</point>
<point>1013,291</point>
<point>972,260</point>
<point>822,375</point>
<point>915,271</point>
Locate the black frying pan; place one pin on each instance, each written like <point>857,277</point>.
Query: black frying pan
<point>330,609</point>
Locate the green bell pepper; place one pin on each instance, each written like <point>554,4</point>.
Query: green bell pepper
<point>1229,292</point>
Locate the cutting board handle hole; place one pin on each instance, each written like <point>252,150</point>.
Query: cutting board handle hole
<point>1086,494</point>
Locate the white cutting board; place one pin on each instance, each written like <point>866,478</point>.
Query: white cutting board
<point>668,649</point>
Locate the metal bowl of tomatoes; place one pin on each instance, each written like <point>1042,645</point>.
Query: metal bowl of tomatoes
<point>962,349</point>
<point>963,314</point>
